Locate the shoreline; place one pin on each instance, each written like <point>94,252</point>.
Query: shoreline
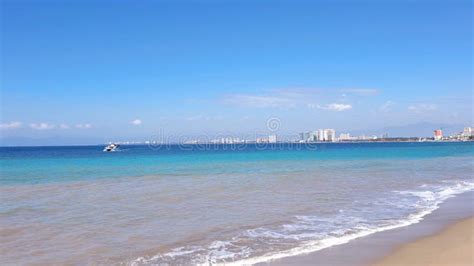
<point>373,248</point>
<point>451,246</point>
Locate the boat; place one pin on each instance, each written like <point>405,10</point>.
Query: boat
<point>111,147</point>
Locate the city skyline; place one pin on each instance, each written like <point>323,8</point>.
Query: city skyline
<point>85,73</point>
<point>271,137</point>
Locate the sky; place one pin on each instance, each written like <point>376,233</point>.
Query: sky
<point>79,72</point>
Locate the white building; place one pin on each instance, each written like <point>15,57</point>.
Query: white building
<point>321,136</point>
<point>330,135</point>
<point>272,139</point>
<point>468,132</point>
<point>345,136</point>
<point>325,135</point>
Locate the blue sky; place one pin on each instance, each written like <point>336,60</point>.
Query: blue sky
<point>89,71</point>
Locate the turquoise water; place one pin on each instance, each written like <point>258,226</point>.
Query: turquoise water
<point>63,164</point>
<point>221,203</point>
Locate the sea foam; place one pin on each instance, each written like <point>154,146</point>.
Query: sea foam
<point>308,234</point>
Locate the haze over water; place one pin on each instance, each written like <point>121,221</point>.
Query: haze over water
<point>182,204</point>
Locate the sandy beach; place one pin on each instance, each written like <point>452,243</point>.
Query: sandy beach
<point>452,246</point>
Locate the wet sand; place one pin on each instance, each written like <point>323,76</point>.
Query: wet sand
<point>452,246</point>
<point>374,249</point>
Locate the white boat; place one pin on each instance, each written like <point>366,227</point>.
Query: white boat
<point>111,147</point>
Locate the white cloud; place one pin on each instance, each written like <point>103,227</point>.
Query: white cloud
<point>422,107</point>
<point>83,126</point>
<point>42,126</point>
<point>387,106</point>
<point>337,107</point>
<point>291,98</point>
<point>136,122</point>
<point>64,126</point>
<point>11,125</point>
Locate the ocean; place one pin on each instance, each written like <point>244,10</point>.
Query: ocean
<point>232,204</point>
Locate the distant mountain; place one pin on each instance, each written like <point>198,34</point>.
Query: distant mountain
<point>423,129</point>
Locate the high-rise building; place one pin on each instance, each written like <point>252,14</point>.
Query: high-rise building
<point>313,136</point>
<point>305,136</point>
<point>321,135</point>
<point>438,134</point>
<point>325,135</point>
<point>309,136</point>
<point>468,132</point>
<point>330,135</point>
